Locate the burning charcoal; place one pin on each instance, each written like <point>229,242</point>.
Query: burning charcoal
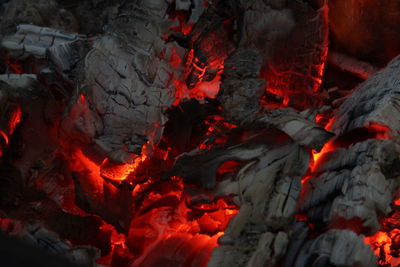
<point>129,83</point>
<point>266,191</point>
<point>336,248</point>
<point>67,56</point>
<point>211,41</point>
<point>366,195</point>
<point>357,182</point>
<point>294,124</point>
<point>65,51</point>
<point>82,124</point>
<point>292,65</point>
<point>10,111</point>
<point>375,102</point>
<point>10,117</point>
<point>210,161</point>
<point>274,171</point>
<point>254,183</point>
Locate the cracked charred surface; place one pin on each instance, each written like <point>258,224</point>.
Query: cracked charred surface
<point>375,101</point>
<point>353,183</point>
<point>128,80</point>
<point>265,187</point>
<point>127,77</point>
<point>63,53</point>
<point>292,67</point>
<point>261,220</point>
<point>119,106</point>
<point>357,182</point>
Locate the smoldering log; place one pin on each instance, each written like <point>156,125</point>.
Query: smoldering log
<point>357,182</point>
<point>375,101</point>
<point>275,170</point>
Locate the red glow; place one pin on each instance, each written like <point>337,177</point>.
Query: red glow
<point>15,119</point>
<point>318,156</point>
<point>318,118</point>
<point>14,66</point>
<point>380,241</point>
<point>380,131</point>
<point>373,130</point>
<point>121,172</point>
<point>82,99</point>
<point>385,246</point>
<point>5,137</point>
<point>228,166</point>
<point>216,126</point>
<point>200,91</point>
<point>181,17</point>
<point>175,60</point>
<point>161,218</point>
<point>118,246</point>
<point>154,234</point>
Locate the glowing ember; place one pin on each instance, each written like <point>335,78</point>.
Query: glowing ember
<point>380,131</point>
<point>373,130</point>
<point>5,137</point>
<point>200,91</point>
<point>122,172</point>
<point>15,119</point>
<point>384,247</point>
